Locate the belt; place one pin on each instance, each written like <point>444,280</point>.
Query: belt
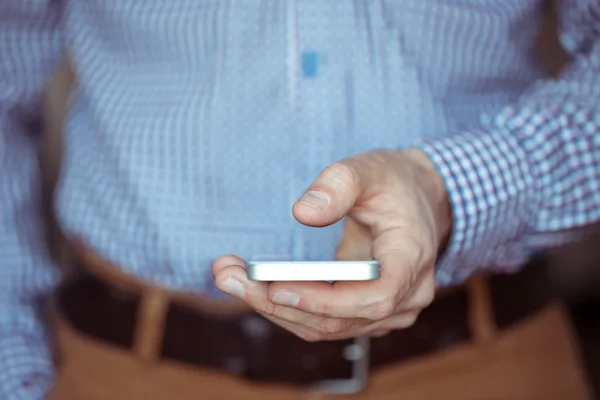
<point>248,345</point>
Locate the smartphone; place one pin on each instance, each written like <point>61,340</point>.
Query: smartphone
<point>272,271</point>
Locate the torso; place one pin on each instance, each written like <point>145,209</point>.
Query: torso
<point>199,122</point>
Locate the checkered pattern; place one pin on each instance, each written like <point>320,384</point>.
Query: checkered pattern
<point>529,177</point>
<point>198,123</point>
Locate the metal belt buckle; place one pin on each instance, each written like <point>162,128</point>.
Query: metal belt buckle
<point>358,354</point>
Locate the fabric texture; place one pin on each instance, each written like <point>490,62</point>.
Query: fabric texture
<point>198,123</point>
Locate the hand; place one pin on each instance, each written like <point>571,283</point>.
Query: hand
<point>397,213</point>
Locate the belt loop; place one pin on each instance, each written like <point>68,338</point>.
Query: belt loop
<point>481,311</point>
<point>150,324</point>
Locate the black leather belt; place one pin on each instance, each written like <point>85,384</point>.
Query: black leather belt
<point>250,346</point>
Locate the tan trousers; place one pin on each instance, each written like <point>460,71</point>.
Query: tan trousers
<point>536,359</point>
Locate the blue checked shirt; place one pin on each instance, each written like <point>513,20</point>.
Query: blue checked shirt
<point>197,124</point>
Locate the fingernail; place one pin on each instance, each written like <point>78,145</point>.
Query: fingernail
<point>233,287</point>
<point>285,298</point>
<point>317,200</point>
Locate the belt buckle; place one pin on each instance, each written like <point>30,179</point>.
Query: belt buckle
<point>358,354</point>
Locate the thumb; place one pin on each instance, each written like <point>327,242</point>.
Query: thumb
<point>330,197</point>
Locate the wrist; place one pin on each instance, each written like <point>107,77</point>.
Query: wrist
<point>432,184</point>
<point>491,191</point>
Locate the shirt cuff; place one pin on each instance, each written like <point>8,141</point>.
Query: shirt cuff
<point>491,192</point>
<point>26,369</point>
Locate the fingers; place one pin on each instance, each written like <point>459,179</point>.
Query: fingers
<point>374,329</point>
<point>303,332</point>
<point>338,329</point>
<point>232,280</point>
<point>226,261</point>
<point>371,300</point>
<point>318,311</point>
<point>321,328</point>
<point>329,198</point>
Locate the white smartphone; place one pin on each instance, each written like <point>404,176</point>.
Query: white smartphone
<point>272,271</point>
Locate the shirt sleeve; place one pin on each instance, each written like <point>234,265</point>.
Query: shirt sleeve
<point>30,44</point>
<point>530,177</point>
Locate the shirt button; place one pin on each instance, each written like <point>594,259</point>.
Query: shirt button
<point>310,64</point>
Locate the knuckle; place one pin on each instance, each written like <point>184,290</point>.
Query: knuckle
<point>322,309</point>
<point>427,299</point>
<point>268,308</point>
<point>412,276</point>
<point>417,244</point>
<point>402,321</point>
<point>382,309</point>
<point>422,304</point>
<point>405,284</point>
<point>332,326</point>
<point>414,247</point>
<point>342,172</point>
<point>409,320</point>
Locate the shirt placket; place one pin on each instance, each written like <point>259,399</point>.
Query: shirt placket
<point>313,93</point>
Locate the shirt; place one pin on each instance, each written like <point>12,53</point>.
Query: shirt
<point>197,124</point>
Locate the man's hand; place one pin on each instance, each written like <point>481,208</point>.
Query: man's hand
<point>397,213</point>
